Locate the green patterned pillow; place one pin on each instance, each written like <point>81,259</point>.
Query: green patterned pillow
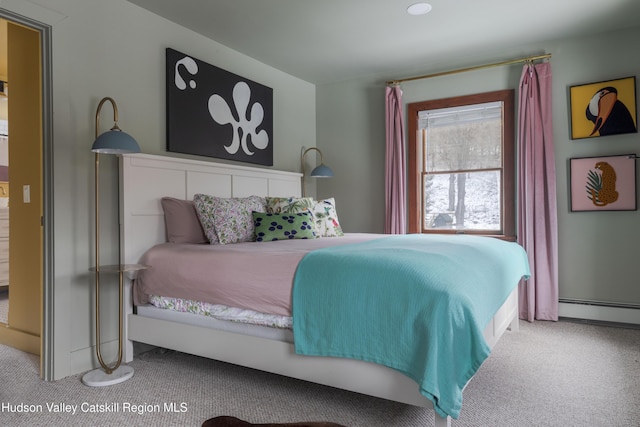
<point>288,204</point>
<point>270,226</point>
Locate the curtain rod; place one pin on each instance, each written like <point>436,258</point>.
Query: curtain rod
<point>477,67</point>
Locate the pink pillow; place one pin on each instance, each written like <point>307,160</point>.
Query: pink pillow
<point>181,220</point>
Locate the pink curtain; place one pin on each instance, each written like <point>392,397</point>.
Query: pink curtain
<point>395,192</point>
<point>537,213</point>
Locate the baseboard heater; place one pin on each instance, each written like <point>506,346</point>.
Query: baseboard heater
<point>600,311</point>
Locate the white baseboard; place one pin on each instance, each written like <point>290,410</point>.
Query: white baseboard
<point>599,313</point>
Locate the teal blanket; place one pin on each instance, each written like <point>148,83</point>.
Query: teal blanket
<point>415,303</point>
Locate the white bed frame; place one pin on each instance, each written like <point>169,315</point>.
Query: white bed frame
<point>147,178</point>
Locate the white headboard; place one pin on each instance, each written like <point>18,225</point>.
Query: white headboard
<point>146,178</point>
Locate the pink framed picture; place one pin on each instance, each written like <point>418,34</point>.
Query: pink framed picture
<point>603,183</point>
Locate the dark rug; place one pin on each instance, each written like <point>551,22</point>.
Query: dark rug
<point>235,422</point>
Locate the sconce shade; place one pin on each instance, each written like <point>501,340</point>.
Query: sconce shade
<point>115,142</point>
<point>322,171</point>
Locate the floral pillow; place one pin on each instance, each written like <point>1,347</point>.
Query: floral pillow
<point>326,218</point>
<point>228,220</point>
<point>288,204</point>
<point>287,226</point>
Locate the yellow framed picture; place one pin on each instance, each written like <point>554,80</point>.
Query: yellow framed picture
<point>603,108</point>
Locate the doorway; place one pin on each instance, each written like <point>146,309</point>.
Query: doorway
<point>25,67</point>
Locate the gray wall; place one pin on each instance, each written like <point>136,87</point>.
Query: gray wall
<point>597,250</point>
<point>113,48</point>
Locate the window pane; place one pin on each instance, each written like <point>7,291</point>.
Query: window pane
<point>463,201</point>
<point>461,164</point>
<point>463,138</point>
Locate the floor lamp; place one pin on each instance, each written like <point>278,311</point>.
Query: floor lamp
<point>321,171</point>
<point>114,141</point>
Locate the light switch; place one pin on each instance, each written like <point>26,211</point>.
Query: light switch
<point>26,193</point>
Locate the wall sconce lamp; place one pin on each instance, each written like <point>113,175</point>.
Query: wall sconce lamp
<point>321,171</point>
<point>114,141</point>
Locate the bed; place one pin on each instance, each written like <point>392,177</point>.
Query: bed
<point>147,179</point>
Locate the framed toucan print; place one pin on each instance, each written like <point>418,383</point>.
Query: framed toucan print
<point>603,108</point>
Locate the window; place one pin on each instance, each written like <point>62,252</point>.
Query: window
<point>461,165</point>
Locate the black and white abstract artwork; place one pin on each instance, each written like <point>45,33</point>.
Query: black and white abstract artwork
<point>212,112</point>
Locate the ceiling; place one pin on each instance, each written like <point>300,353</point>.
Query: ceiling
<point>326,41</point>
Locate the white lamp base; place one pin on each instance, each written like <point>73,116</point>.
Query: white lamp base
<point>99,378</point>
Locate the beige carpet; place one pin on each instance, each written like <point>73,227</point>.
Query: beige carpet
<point>548,374</point>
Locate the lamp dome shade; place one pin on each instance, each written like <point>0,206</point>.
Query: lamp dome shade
<point>115,142</point>
<point>322,171</point>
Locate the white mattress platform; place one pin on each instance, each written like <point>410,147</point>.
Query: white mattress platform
<point>260,331</point>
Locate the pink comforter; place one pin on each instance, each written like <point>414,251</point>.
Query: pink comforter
<point>253,275</point>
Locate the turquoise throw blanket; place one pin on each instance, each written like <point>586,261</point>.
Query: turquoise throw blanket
<point>415,303</point>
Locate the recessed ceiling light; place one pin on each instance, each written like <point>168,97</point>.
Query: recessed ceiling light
<point>419,9</point>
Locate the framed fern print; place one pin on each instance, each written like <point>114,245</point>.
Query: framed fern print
<point>603,183</point>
